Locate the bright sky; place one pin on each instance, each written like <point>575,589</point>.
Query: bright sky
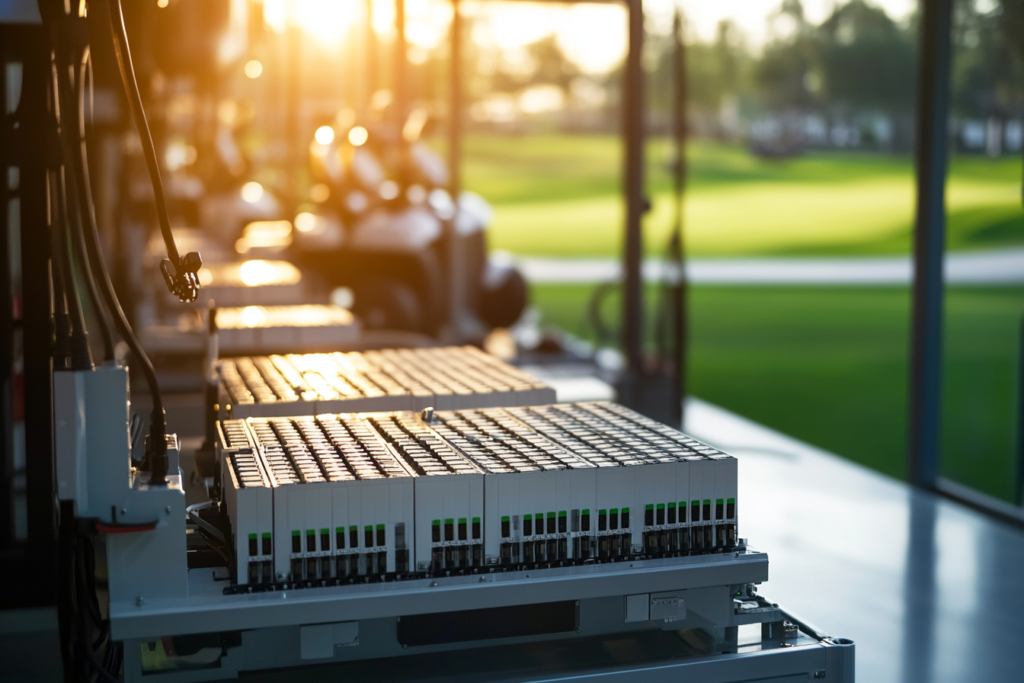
<point>592,35</point>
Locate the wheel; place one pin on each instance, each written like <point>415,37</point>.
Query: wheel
<point>384,304</point>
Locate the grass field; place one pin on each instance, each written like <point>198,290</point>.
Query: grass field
<point>829,365</point>
<point>560,196</point>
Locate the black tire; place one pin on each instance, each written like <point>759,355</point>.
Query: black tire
<point>384,304</point>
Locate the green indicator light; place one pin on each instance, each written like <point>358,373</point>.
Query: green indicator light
<point>296,533</point>
<point>436,522</point>
<point>551,514</point>
<point>449,521</point>
<point>368,527</point>
<point>562,513</point>
<point>719,501</point>
<point>505,518</point>
<point>476,520</point>
<point>353,528</point>
<point>615,511</point>
<point>325,531</point>
<point>462,520</point>
<point>524,517</point>
<point>380,527</point>
<point>626,510</point>
<point>602,512</point>
<point>252,537</point>
<point>586,511</point>
<point>671,505</point>
<point>311,532</point>
<point>707,501</point>
<point>650,506</point>
<point>732,500</point>
<point>266,534</point>
<point>340,530</point>
<point>661,506</point>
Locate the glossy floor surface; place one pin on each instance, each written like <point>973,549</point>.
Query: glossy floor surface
<point>930,591</point>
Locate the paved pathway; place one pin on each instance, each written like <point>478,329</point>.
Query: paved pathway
<point>972,268</point>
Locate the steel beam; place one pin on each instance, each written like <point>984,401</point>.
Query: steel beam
<point>633,181</point>
<point>929,242</point>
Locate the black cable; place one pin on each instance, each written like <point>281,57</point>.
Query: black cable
<point>74,198</point>
<point>62,322</point>
<point>184,280</point>
<point>81,354</point>
<point>89,234</point>
<point>80,171</point>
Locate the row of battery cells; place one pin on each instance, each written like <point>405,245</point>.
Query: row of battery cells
<point>588,444</point>
<point>323,373</point>
<point>630,439</point>
<point>235,434</point>
<point>668,434</point>
<point>246,470</point>
<point>497,375</point>
<point>326,454</point>
<point>491,454</point>
<point>365,455</point>
<point>492,432</point>
<point>273,452</point>
<point>426,454</point>
<point>540,450</point>
<point>298,451</point>
<point>602,443</point>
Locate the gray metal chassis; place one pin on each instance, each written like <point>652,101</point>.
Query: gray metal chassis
<point>711,593</point>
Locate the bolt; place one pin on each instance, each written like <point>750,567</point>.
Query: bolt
<point>405,645</point>
<point>124,511</point>
<point>578,629</point>
<point>139,602</point>
<point>433,584</point>
<point>167,509</point>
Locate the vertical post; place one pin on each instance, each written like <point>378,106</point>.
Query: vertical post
<point>292,89</point>
<point>679,316</point>
<point>399,93</point>
<point>457,262</point>
<point>633,134</point>
<point>1019,490</point>
<point>929,242</point>
<point>372,77</point>
<point>25,133</point>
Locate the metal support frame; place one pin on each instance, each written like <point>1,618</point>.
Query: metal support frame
<point>31,566</point>
<point>455,253</point>
<point>929,243</point>
<point>633,182</point>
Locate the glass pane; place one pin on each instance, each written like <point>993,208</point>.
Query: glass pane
<point>985,261</point>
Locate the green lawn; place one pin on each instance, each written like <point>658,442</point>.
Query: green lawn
<point>558,195</point>
<point>829,365</point>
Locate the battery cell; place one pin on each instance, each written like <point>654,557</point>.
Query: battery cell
<point>444,378</point>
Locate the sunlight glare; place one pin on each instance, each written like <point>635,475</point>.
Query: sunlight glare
<point>252,192</point>
<point>324,135</point>
<point>253,68</point>
<point>358,136</point>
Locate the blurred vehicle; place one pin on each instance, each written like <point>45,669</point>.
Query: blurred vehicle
<point>376,222</point>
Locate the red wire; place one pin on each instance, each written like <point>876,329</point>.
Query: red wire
<point>123,529</point>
